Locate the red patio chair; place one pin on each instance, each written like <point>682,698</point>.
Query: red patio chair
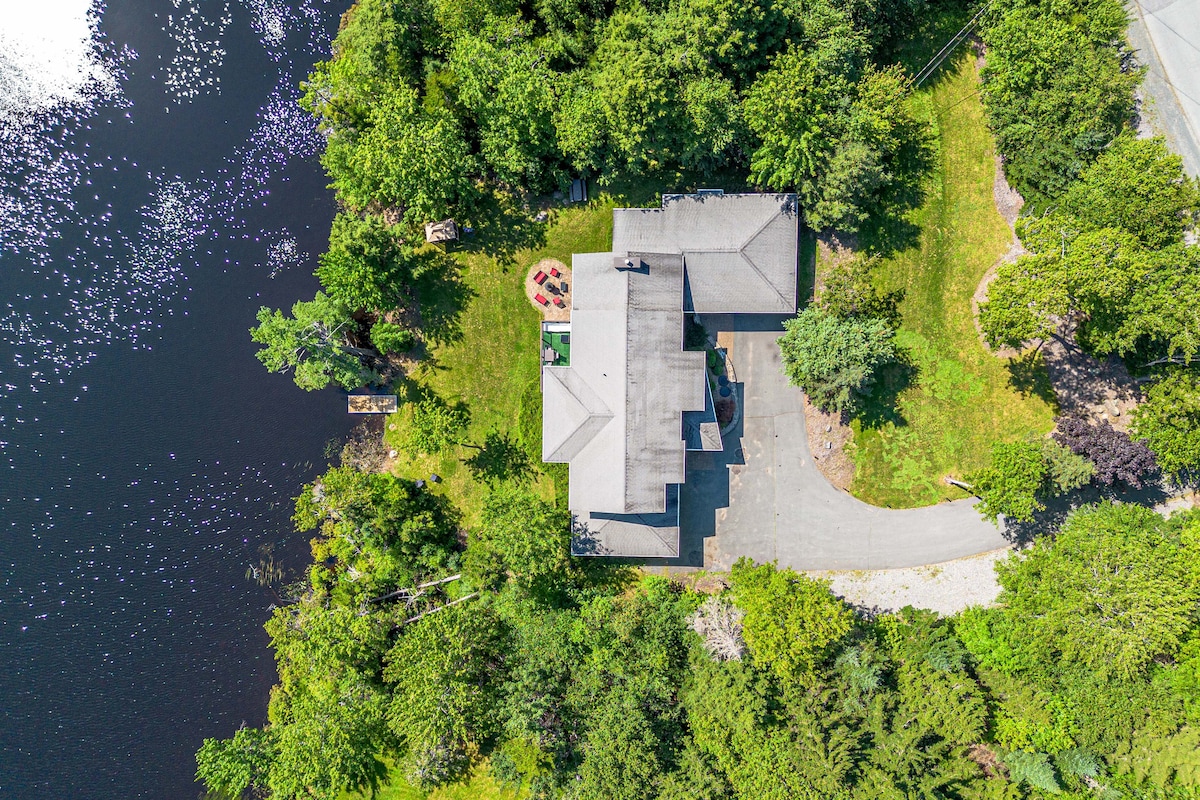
<point>554,273</point>
<point>558,301</point>
<point>541,299</point>
<point>540,278</point>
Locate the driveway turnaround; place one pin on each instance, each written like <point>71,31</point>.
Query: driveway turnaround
<point>1166,36</point>
<point>765,498</point>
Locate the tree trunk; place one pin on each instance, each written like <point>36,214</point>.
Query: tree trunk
<point>462,599</point>
<point>964,486</point>
<point>417,588</point>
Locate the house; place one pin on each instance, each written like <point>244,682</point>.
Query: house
<point>630,401</point>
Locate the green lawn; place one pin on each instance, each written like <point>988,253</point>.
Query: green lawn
<point>962,398</point>
<point>492,361</point>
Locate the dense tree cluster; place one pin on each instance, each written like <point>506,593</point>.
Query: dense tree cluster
<point>1055,86</point>
<point>1106,219</point>
<point>577,679</point>
<point>837,347</point>
<point>1169,421</point>
<point>1109,263</point>
<point>422,101</point>
<point>1108,258</point>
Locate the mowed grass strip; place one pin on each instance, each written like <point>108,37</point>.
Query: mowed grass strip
<point>962,398</point>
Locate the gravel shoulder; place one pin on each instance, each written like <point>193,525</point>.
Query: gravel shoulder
<point>946,588</point>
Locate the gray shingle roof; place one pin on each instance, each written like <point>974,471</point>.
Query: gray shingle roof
<point>739,249</point>
<point>616,414</point>
<point>629,535</point>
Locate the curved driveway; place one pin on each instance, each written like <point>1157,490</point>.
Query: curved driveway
<point>764,497</point>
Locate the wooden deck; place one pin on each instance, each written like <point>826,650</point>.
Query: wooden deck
<point>371,404</point>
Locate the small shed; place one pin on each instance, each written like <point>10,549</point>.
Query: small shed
<point>371,404</point>
<point>439,232</point>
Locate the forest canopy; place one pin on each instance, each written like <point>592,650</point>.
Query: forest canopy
<point>424,103</point>
<point>579,679</point>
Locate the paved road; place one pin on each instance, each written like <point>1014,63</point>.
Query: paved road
<point>772,503</point>
<point>1166,36</point>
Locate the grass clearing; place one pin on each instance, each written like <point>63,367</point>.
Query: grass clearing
<point>492,361</point>
<point>961,399</point>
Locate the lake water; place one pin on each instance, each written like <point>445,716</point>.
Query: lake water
<point>157,185</point>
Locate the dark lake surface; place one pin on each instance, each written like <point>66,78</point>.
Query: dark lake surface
<point>147,460</point>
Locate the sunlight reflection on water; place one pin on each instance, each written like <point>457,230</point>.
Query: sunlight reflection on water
<point>144,474</point>
<point>104,282</point>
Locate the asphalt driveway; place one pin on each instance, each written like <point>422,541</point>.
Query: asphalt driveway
<point>763,496</point>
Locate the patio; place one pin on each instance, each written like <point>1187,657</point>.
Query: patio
<point>548,287</point>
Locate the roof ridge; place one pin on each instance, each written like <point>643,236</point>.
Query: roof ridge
<point>763,277</point>
<point>758,231</point>
<point>597,415</point>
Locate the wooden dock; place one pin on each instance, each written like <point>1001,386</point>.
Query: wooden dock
<point>371,404</point>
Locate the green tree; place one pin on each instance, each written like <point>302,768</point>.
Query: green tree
<point>1067,470</point>
<point>389,337</point>
<point>1012,483</point>
<point>623,759</point>
<point>444,672</point>
<point>505,83</point>
<point>847,149</point>
<point>1169,421</point>
<point>793,109</point>
<point>435,425</point>
<point>230,767</point>
<point>763,747</point>
<point>1115,589</point>
<point>366,266</point>
<point>791,622</point>
<point>327,713</point>
<point>313,342</point>
<point>380,43</point>
<point>1137,186</point>
<point>836,360</point>
<point>526,537</point>
<point>636,94</point>
<point>1108,257</point>
<point>409,156</point>
<point>1054,89</point>
<point>850,290</point>
<point>376,526</point>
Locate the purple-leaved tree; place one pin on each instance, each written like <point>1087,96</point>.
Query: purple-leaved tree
<point>1116,456</point>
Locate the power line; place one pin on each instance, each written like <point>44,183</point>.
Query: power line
<point>955,40</point>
